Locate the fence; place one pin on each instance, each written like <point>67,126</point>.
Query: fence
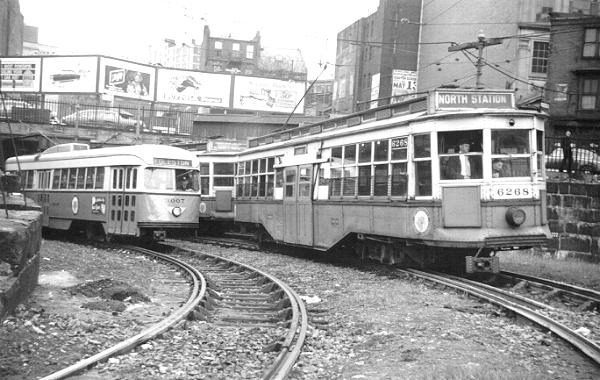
<point>585,153</point>
<point>148,119</point>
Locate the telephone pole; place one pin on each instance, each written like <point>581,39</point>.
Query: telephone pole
<point>479,45</point>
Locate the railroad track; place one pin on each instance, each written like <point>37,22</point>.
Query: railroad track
<point>197,293</point>
<point>241,296</point>
<point>527,308</point>
<point>581,299</point>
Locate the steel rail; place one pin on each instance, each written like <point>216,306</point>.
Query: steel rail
<point>590,294</point>
<point>589,348</point>
<point>196,295</point>
<point>294,339</point>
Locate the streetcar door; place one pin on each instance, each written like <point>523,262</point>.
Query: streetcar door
<point>44,195</point>
<point>297,201</point>
<point>122,218</point>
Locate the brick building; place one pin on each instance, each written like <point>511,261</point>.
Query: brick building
<point>574,74</point>
<point>318,99</point>
<point>11,28</point>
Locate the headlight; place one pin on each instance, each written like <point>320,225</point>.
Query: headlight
<point>515,216</point>
<point>176,211</point>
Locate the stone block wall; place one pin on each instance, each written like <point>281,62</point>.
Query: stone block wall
<point>574,219</point>
<point>20,241</point>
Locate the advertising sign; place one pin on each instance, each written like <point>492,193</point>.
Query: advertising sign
<point>403,82</point>
<point>20,74</point>
<point>126,79</point>
<point>182,86</point>
<point>374,90</point>
<point>69,74</point>
<point>264,94</point>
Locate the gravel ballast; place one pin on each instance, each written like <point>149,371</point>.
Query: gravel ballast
<point>364,324</point>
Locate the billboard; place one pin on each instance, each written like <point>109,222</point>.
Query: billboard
<point>20,74</point>
<point>127,79</point>
<point>69,74</point>
<point>403,82</point>
<point>192,87</point>
<point>265,94</point>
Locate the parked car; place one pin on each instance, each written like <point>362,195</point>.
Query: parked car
<point>583,160</point>
<point>102,117</point>
<point>7,105</point>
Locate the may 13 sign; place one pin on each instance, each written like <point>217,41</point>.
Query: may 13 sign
<point>20,74</point>
<point>403,82</point>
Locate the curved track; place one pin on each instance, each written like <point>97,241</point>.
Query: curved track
<point>517,304</point>
<point>196,295</point>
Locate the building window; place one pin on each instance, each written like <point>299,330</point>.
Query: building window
<point>235,46</point>
<point>590,43</point>
<point>218,45</point>
<point>589,94</point>
<point>250,51</point>
<point>539,63</point>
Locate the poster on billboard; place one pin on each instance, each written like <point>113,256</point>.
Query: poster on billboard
<point>403,82</point>
<point>122,78</point>
<point>192,87</point>
<point>20,74</point>
<point>264,94</point>
<point>374,90</point>
<point>69,74</point>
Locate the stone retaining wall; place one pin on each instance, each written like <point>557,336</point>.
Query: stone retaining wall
<point>574,218</point>
<point>20,241</point>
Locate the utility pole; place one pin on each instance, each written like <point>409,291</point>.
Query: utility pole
<point>479,45</point>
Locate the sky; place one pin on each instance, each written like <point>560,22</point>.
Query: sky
<point>126,28</point>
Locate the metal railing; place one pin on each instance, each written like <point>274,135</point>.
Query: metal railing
<point>584,151</point>
<point>154,119</point>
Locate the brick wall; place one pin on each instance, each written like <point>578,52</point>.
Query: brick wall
<point>574,218</point>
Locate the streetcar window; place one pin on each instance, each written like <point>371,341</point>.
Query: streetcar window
<point>89,178</point>
<point>81,178</point>
<point>290,182</point>
<point>335,182</point>
<point>381,180</point>
<point>186,180</point>
<point>134,179</point>
<point>364,152</point>
<point>349,181</point>
<point>364,180</point>
<point>304,182</point>
<point>55,178</point>
<point>159,178</point>
<point>248,167</point>
<point>269,185</point>
<point>279,178</point>
<point>223,181</point>
<point>381,150</point>
<point>422,146</point>
<point>254,166</point>
<point>336,156</point>
<point>460,154</point>
<point>399,179</point>
<point>240,168</point>
<point>64,178</point>
<point>223,168</point>
<point>29,183</point>
<point>510,153</point>
<point>204,185</point>
<point>350,154</point>
<point>399,148</point>
<point>204,168</point>
<point>423,178</point>
<point>262,186</point>
<point>72,178</point>
<point>540,152</point>
<point>270,164</point>
<point>99,183</point>
<point>254,187</point>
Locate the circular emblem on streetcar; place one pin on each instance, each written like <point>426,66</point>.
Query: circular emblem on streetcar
<point>75,205</point>
<point>421,221</point>
<point>176,211</point>
<point>202,207</point>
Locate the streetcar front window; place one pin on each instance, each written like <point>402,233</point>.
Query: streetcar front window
<point>510,153</point>
<point>159,179</point>
<point>460,155</point>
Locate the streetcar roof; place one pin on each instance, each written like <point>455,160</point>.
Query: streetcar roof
<point>145,154</point>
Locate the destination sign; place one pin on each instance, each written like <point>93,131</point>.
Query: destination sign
<point>171,162</point>
<point>479,99</point>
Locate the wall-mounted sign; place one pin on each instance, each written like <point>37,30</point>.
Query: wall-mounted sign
<point>403,82</point>
<point>182,86</point>
<point>264,94</point>
<point>69,74</point>
<point>20,74</point>
<point>126,79</point>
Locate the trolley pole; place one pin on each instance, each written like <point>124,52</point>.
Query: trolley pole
<point>481,43</point>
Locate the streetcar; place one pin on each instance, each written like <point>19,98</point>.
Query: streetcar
<point>140,191</point>
<point>444,180</point>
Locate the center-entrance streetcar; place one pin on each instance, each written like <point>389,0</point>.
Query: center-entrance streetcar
<point>140,190</point>
<point>441,180</point>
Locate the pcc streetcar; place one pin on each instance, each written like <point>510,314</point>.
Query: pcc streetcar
<point>140,190</point>
<point>443,180</point>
